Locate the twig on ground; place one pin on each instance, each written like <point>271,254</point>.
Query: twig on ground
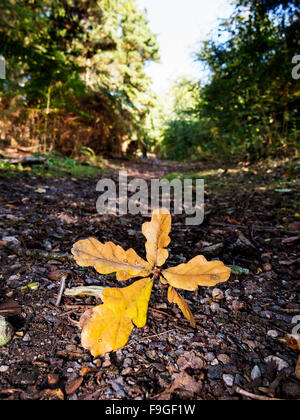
<point>148,337</point>
<point>61,289</point>
<point>253,396</point>
<point>161,312</point>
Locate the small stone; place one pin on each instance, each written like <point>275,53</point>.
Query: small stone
<point>26,337</point>
<point>272,333</point>
<point>72,385</point>
<point>204,301</point>
<point>255,373</point>
<point>281,364</point>
<point>47,245</point>
<point>127,362</point>
<point>215,307</point>
<point>126,371</point>
<point>217,294</point>
<point>215,372</point>
<point>13,280</point>
<point>11,240</point>
<point>267,267</point>
<point>6,331</point>
<point>239,380</point>
<point>106,363</point>
<point>266,314</point>
<point>228,296</point>
<point>118,386</point>
<point>210,357</point>
<point>237,305</point>
<point>228,379</point>
<point>236,291</point>
<point>4,368</point>
<point>223,358</point>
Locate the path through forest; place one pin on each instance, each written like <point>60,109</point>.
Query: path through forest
<point>235,351</point>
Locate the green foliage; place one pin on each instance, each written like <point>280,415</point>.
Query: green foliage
<point>77,70</point>
<point>55,165</point>
<point>250,106</point>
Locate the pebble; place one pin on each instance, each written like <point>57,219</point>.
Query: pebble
<point>266,314</point>
<point>215,307</point>
<point>126,371</point>
<point>106,363</point>
<point>272,333</point>
<point>210,356</point>
<point>6,331</point>
<point>281,364</point>
<point>127,362</point>
<point>255,373</point>
<point>239,380</point>
<point>13,280</point>
<point>223,358</point>
<point>217,294</point>
<point>228,379</point>
<point>11,239</point>
<point>26,337</point>
<point>204,301</point>
<point>267,267</point>
<point>228,295</point>
<point>4,368</point>
<point>118,386</point>
<point>215,372</point>
<point>236,291</point>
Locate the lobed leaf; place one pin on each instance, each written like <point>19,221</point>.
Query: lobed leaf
<point>157,234</point>
<point>107,327</point>
<point>197,272</point>
<point>109,258</point>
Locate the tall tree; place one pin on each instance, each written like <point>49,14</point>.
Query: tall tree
<point>85,58</point>
<point>250,105</point>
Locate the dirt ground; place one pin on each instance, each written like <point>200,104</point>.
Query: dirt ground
<point>235,352</point>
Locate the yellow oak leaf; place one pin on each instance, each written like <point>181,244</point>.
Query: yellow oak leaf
<point>174,297</point>
<point>197,272</point>
<point>157,234</point>
<point>108,258</point>
<point>107,327</point>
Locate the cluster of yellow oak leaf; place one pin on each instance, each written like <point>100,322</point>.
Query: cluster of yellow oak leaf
<point>108,326</point>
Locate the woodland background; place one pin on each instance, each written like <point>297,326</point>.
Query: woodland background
<point>77,106</point>
<point>76,83</point>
